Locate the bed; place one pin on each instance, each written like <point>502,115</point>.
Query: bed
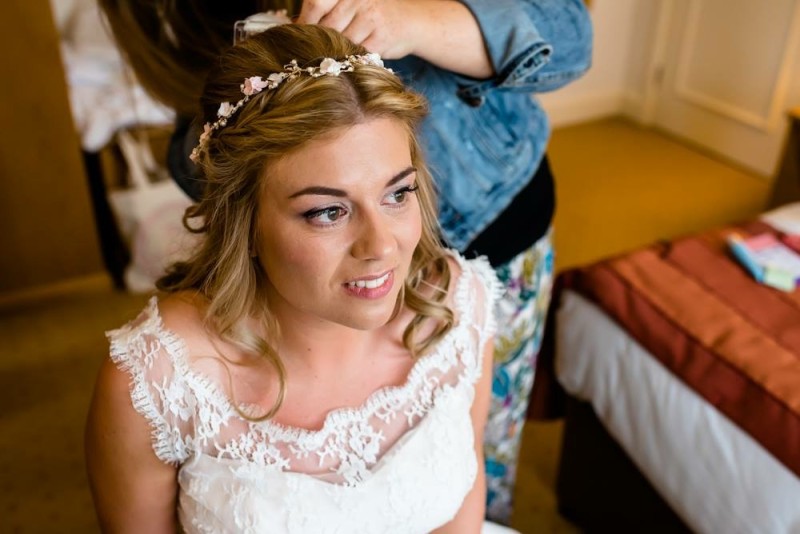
<point>682,382</point>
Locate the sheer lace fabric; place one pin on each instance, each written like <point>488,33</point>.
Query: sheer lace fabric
<point>401,462</point>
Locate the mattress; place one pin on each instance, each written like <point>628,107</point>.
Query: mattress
<point>695,370</point>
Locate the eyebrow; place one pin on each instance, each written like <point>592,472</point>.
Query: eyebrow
<point>330,191</point>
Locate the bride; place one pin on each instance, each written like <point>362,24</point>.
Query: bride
<point>320,363</point>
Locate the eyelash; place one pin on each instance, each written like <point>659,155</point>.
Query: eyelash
<point>405,191</point>
<point>313,216</point>
<point>316,214</point>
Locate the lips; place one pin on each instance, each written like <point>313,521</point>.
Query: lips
<point>375,287</point>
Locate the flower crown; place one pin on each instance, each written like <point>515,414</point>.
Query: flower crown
<point>256,84</point>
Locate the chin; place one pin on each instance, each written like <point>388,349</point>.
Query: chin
<point>369,323</point>
<point>369,319</point>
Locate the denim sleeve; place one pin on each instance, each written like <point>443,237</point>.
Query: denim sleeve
<point>534,45</point>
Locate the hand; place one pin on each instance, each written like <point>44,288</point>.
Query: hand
<point>442,32</point>
<point>382,26</point>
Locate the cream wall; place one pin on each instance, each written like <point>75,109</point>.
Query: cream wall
<point>609,84</point>
<point>627,36</point>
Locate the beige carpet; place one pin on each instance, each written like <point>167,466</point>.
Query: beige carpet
<point>50,353</point>
<point>619,187</point>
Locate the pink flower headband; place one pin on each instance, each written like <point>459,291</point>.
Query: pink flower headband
<point>256,84</point>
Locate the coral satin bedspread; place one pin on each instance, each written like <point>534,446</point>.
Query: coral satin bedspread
<point>735,342</point>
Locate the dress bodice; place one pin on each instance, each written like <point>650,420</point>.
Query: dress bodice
<point>402,461</point>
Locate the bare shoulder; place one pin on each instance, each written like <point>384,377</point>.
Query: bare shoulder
<point>184,315</point>
<point>183,312</point>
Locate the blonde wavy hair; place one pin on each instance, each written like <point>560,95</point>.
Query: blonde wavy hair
<point>271,125</point>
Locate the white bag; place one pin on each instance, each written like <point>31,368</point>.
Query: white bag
<point>149,214</point>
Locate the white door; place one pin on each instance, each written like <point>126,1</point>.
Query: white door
<point>725,72</point>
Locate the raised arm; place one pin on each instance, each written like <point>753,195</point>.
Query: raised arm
<point>443,32</point>
<point>133,490</point>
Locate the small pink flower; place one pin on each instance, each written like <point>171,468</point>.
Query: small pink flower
<point>253,85</point>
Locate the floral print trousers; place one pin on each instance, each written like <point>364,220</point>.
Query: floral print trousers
<point>520,315</point>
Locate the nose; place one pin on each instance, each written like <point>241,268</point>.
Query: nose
<point>374,239</point>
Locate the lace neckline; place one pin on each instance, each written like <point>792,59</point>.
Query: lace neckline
<point>442,355</point>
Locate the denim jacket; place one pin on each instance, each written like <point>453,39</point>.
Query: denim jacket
<point>485,138</point>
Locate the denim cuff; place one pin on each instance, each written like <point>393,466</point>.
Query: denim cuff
<point>534,45</point>
<point>517,75</point>
<point>515,47</point>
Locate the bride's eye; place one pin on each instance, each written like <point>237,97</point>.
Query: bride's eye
<point>401,195</point>
<point>325,216</point>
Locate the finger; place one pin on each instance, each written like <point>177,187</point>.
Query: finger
<point>340,17</point>
<point>360,28</point>
<point>374,43</point>
<point>313,10</point>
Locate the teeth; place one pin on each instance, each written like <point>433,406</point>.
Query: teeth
<point>370,284</point>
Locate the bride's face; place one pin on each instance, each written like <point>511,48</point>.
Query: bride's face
<point>338,223</point>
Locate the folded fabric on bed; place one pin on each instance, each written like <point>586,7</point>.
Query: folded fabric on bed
<point>735,342</point>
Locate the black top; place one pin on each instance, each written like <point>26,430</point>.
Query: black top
<point>522,223</point>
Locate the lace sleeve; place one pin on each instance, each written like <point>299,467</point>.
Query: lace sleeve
<point>147,352</point>
<point>486,289</point>
<point>477,293</point>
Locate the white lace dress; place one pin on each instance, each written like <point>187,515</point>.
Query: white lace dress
<point>401,462</point>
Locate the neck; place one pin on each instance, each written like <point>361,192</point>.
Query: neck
<point>335,343</point>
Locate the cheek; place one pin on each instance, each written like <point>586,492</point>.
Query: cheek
<point>277,253</point>
<point>285,257</point>
<point>292,260</point>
